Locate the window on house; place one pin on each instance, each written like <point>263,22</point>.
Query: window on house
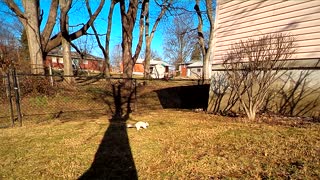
<point>61,60</point>
<point>85,62</point>
<point>54,59</point>
<point>199,70</point>
<point>75,62</point>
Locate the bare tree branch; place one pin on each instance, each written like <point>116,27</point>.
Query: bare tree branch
<point>55,41</point>
<point>13,6</point>
<point>51,21</point>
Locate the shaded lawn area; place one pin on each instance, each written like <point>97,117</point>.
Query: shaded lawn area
<point>184,97</point>
<point>178,144</point>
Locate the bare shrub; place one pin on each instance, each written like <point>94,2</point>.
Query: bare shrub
<point>33,85</point>
<point>2,88</point>
<point>254,65</point>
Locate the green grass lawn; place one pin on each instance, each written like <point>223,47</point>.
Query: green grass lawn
<point>177,145</point>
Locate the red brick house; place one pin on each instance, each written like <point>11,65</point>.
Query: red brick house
<point>87,62</point>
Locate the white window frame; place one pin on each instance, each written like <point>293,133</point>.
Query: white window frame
<point>85,61</point>
<point>54,59</point>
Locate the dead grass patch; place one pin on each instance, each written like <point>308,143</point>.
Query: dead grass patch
<point>178,145</point>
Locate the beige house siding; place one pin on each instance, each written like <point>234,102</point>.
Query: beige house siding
<point>239,19</point>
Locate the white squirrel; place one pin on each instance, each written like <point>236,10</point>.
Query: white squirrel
<point>138,125</point>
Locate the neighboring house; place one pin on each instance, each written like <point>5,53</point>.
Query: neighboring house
<point>183,68</point>
<point>239,20</point>
<point>158,68</point>
<point>138,68</point>
<point>192,69</point>
<point>88,62</point>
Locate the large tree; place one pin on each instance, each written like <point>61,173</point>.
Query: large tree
<point>41,43</point>
<point>165,5</point>
<point>205,50</point>
<point>196,54</point>
<point>179,39</point>
<point>30,18</point>
<point>128,19</point>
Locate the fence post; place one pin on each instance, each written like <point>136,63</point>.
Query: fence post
<point>10,98</point>
<point>135,95</point>
<point>17,95</point>
<point>50,74</point>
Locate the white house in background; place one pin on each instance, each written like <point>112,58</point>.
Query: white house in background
<point>158,68</point>
<point>239,20</point>
<point>194,70</point>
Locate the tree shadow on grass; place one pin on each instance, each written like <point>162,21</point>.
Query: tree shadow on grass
<point>184,97</point>
<point>113,159</point>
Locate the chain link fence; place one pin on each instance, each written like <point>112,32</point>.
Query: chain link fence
<point>39,98</point>
<point>36,98</point>
<point>43,97</point>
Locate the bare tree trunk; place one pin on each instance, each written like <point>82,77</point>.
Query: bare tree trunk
<point>31,21</point>
<point>206,51</point>
<point>147,57</point>
<point>206,62</point>
<point>67,61</point>
<point>33,34</point>
<point>127,58</point>
<point>164,7</point>
<point>107,57</point>
<point>128,19</point>
<point>201,39</point>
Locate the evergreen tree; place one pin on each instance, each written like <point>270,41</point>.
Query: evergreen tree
<point>24,46</point>
<point>196,54</point>
<point>24,60</point>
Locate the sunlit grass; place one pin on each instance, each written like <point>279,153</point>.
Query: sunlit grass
<point>178,145</point>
